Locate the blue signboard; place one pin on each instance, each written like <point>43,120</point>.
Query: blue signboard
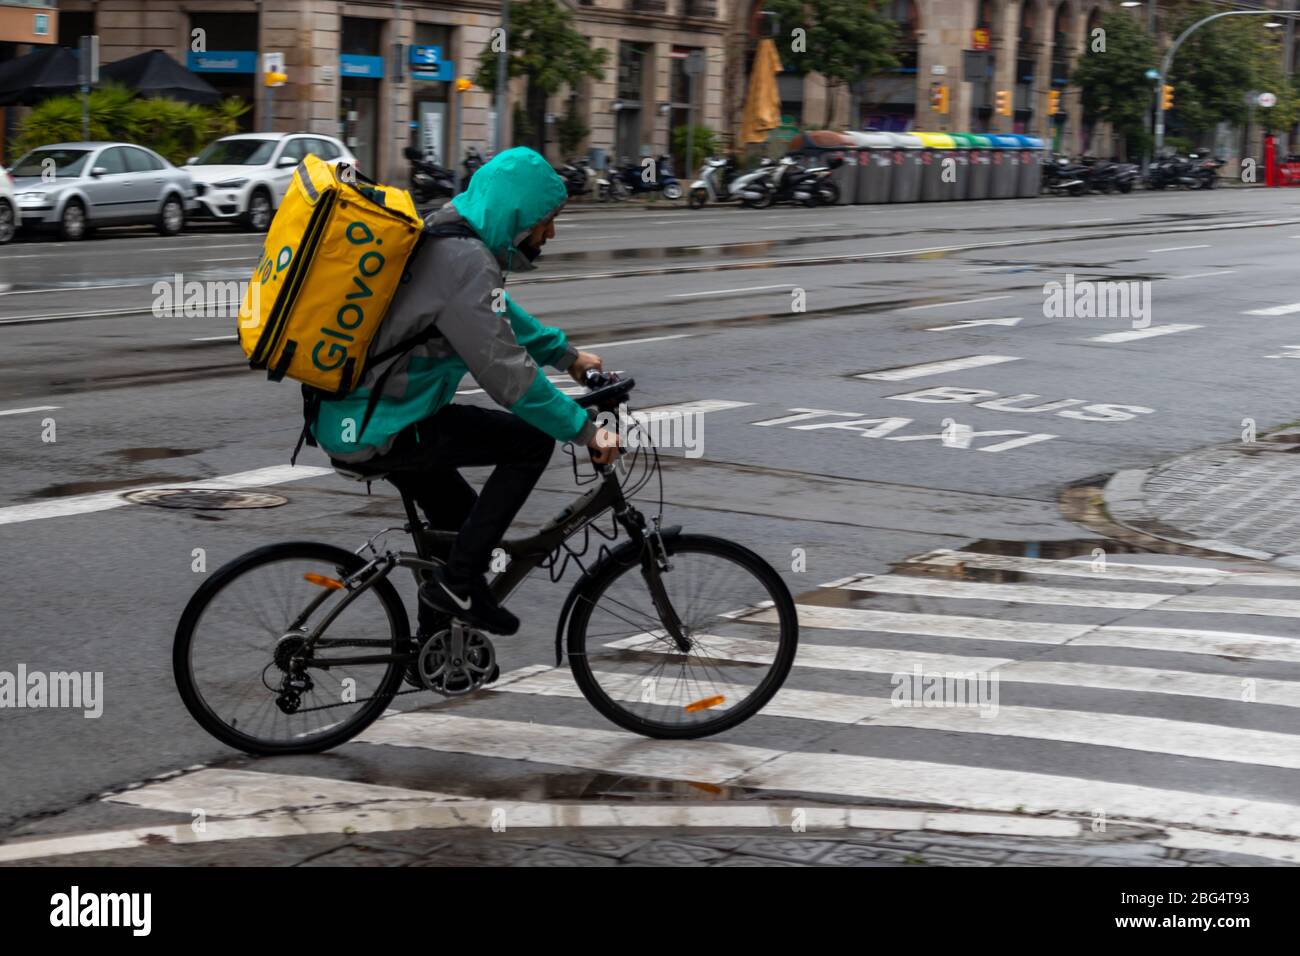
<point>426,57</point>
<point>222,61</point>
<point>358,65</point>
<point>427,64</point>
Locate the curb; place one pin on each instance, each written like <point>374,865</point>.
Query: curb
<point>1126,507</point>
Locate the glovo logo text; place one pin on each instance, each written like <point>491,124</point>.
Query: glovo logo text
<point>351,315</point>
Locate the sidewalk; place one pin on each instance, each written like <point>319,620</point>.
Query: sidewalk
<point>461,845</point>
<point>1239,499</point>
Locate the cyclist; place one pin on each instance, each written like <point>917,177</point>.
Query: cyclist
<point>417,435</point>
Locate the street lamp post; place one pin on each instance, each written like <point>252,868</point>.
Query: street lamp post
<point>1173,48</point>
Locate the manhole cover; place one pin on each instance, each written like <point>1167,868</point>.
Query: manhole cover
<point>204,499</point>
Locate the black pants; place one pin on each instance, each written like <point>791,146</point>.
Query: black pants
<point>423,463</point>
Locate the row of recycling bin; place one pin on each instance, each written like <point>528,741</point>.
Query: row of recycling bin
<point>914,167</point>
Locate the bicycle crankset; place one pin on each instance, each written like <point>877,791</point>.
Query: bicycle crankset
<point>457,661</point>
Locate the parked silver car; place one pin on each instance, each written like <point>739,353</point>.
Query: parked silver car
<point>75,187</point>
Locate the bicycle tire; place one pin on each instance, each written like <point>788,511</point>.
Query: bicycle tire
<point>622,562</point>
<point>347,563</point>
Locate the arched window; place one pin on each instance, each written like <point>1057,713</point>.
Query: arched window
<point>1061,47</point>
<point>903,13</point>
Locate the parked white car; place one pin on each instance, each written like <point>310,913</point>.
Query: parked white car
<point>10,217</point>
<point>244,177</point>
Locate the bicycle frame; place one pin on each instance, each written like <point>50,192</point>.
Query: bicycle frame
<point>526,555</point>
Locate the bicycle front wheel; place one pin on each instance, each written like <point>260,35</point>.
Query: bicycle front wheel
<point>736,614</point>
<point>241,660</point>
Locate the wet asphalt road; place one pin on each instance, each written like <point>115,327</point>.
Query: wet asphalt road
<point>698,306</point>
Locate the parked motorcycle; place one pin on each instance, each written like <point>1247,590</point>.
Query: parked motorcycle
<point>1109,177</point>
<point>789,180</point>
<point>660,178</point>
<point>579,178</point>
<point>1194,171</point>
<point>429,181</point>
<point>719,182</point>
<point>1062,175</point>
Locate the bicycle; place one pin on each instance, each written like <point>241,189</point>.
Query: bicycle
<point>641,649</point>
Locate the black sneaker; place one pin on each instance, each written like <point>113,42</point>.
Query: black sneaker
<point>470,602</point>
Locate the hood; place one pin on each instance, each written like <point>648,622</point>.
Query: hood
<point>507,197</point>
<point>216,174</point>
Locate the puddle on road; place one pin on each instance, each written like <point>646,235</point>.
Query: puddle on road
<point>113,484</point>
<point>153,454</point>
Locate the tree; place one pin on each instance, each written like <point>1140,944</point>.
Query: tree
<point>1218,66</point>
<point>843,40</point>
<point>571,129</point>
<point>543,46</point>
<point>704,142</point>
<point>1112,78</point>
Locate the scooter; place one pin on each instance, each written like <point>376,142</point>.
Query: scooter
<point>579,178</point>
<point>429,181</point>
<point>1108,177</point>
<point>1063,176</point>
<point>1195,171</point>
<point>789,181</point>
<point>718,182</point>
<point>661,178</point>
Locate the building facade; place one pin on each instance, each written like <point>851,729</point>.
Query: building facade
<point>381,75</point>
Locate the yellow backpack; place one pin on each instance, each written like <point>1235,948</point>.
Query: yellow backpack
<point>334,255</point>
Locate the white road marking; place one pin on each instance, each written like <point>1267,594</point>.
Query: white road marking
<point>940,305</point>
<point>108,500</point>
<point>1107,570</point>
<point>870,778</point>
<point>972,323</point>
<point>874,660</point>
<point>1071,597</point>
<point>1262,647</point>
<point>1080,222</point>
<point>1179,248</point>
<point>216,338</point>
<point>1205,275</point>
<point>1149,734</point>
<point>1287,355</point>
<point>80,288</point>
<point>755,288</point>
<point>1147,333</point>
<point>33,408</point>
<point>247,258</point>
<point>692,408</point>
<point>657,338</point>
<point>937,368</point>
<point>1276,310</point>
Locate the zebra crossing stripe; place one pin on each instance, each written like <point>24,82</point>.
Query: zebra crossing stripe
<point>1110,570</point>
<point>1075,597</point>
<point>1149,734</point>
<point>866,778</point>
<point>1237,644</point>
<point>1147,680</point>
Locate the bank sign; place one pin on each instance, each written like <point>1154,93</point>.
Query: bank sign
<point>222,61</point>
<point>427,64</point>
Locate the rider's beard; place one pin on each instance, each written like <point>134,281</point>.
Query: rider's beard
<point>530,250</point>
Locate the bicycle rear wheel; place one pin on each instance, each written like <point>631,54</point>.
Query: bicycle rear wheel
<point>241,666</point>
<point>736,612</point>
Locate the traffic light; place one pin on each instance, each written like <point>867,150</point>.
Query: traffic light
<point>1053,102</point>
<point>463,83</point>
<point>275,79</point>
<point>1168,102</point>
<point>939,97</point>
<point>1003,107</point>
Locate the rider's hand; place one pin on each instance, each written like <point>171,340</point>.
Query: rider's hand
<point>584,361</point>
<point>603,447</point>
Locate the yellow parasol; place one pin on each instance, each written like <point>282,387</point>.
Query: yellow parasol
<point>763,106</point>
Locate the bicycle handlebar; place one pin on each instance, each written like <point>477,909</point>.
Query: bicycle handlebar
<point>607,390</point>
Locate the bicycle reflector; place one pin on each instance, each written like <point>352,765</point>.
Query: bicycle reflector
<point>705,703</point>
<point>323,581</point>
